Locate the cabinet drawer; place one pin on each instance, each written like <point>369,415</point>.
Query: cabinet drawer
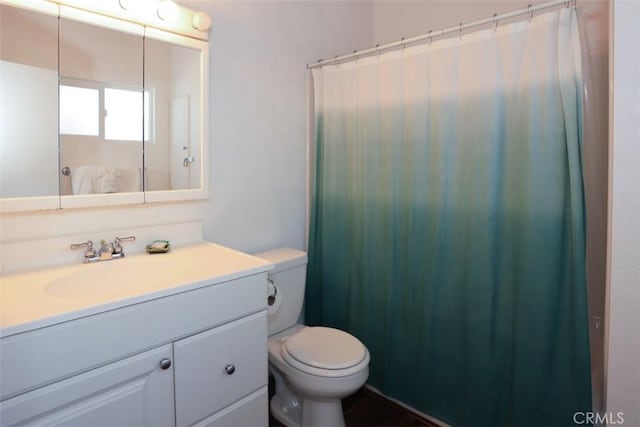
<point>135,391</point>
<point>215,368</point>
<point>252,411</point>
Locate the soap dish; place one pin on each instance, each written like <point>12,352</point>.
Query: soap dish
<point>158,247</point>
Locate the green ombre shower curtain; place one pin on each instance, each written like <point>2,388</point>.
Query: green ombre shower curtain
<point>447,229</point>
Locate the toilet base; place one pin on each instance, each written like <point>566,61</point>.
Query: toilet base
<point>294,410</point>
<point>326,413</point>
<point>288,413</point>
<point>308,413</point>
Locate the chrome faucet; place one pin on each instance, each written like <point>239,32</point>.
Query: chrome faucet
<point>117,244</point>
<point>107,251</point>
<point>89,253</point>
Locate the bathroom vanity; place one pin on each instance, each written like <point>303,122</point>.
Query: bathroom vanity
<point>156,340</point>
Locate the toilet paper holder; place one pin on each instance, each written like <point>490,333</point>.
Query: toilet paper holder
<point>272,291</point>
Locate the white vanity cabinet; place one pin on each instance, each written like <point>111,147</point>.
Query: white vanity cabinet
<point>135,391</point>
<point>192,357</point>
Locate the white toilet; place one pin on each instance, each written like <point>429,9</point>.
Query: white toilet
<point>313,367</point>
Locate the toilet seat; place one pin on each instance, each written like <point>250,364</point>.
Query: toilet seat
<point>326,352</point>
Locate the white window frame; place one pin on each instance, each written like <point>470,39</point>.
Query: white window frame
<point>100,87</point>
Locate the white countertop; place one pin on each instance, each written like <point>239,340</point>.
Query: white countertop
<point>37,299</point>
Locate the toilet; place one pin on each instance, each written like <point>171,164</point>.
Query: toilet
<point>313,367</point>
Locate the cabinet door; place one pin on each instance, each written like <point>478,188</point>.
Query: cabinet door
<point>137,391</point>
<point>218,367</point>
<point>248,412</point>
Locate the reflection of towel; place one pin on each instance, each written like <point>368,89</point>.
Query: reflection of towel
<point>108,178</point>
<point>109,184</point>
<point>82,178</point>
<point>104,179</point>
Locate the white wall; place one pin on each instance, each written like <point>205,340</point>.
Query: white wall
<point>258,111</point>
<point>623,359</point>
<point>257,127</point>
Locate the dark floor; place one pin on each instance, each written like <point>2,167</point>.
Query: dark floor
<point>368,409</point>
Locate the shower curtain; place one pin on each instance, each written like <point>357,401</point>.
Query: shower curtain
<point>447,228</point>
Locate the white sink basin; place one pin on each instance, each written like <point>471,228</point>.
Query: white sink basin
<point>116,278</point>
<point>39,298</point>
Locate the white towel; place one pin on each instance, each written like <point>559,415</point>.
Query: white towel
<point>109,184</point>
<point>109,177</point>
<point>104,179</point>
<point>82,179</point>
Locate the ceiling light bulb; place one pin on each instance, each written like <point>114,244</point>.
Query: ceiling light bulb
<point>168,10</point>
<point>201,21</point>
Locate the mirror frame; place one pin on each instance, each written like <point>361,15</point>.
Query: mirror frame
<point>26,204</point>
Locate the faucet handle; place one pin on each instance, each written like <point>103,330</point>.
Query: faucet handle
<point>88,244</point>
<point>117,243</point>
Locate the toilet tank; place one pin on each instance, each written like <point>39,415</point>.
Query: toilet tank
<point>288,276</point>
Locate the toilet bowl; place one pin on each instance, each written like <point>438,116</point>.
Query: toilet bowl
<point>313,367</point>
<point>309,386</point>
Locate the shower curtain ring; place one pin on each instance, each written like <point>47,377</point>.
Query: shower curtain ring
<point>530,12</point>
<point>378,50</point>
<point>460,31</point>
<point>495,22</point>
<point>355,54</point>
<point>430,37</point>
<point>403,44</point>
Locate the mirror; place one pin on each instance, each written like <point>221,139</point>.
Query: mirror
<point>29,104</point>
<point>99,111</point>
<point>172,80</point>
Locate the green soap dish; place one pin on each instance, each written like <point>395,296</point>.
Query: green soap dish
<point>158,247</point>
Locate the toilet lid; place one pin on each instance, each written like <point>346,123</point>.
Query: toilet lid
<point>325,348</point>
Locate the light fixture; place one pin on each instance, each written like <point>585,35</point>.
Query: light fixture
<point>168,10</point>
<point>201,21</point>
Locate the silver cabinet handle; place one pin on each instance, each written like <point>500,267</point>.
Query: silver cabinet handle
<point>165,363</point>
<point>230,369</point>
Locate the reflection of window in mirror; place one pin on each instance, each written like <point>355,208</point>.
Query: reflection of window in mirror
<point>126,119</point>
<point>79,111</point>
<point>110,114</point>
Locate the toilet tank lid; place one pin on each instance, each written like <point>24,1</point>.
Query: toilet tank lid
<point>284,258</point>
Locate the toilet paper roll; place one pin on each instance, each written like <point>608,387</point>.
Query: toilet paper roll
<point>273,298</point>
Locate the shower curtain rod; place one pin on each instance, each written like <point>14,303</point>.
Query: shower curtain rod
<point>431,34</point>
